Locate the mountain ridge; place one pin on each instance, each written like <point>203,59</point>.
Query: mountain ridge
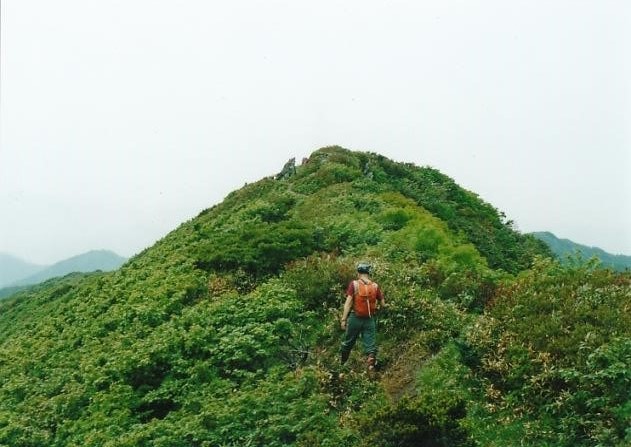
<point>566,249</point>
<point>93,260</point>
<point>12,269</point>
<point>226,331</point>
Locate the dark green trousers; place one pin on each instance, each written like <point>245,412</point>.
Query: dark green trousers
<point>356,326</point>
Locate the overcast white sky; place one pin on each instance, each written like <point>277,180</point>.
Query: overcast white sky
<point>121,119</point>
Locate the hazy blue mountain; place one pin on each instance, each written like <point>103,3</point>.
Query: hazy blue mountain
<point>13,269</point>
<point>91,261</point>
<point>563,248</point>
<point>87,262</point>
<point>8,291</point>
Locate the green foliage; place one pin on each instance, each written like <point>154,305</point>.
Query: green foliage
<point>594,405</point>
<point>331,169</point>
<point>275,209</point>
<point>258,248</point>
<point>319,281</point>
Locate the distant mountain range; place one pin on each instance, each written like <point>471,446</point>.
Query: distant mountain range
<point>13,269</point>
<point>17,273</point>
<point>565,248</point>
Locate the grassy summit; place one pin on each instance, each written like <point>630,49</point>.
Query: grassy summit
<point>225,332</point>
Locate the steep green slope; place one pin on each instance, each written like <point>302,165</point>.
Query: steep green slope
<point>566,249</point>
<point>226,331</point>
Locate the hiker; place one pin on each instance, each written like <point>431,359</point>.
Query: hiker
<point>362,297</point>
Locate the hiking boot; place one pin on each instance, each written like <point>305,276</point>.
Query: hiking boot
<point>371,362</point>
<point>344,357</point>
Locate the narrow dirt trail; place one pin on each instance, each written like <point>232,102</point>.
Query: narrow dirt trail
<point>399,380</point>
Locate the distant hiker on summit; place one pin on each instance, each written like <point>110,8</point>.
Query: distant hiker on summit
<point>362,297</point>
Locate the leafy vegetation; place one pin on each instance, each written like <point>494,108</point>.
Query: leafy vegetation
<point>226,332</point>
<point>552,353</point>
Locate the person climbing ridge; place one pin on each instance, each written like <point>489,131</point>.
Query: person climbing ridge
<point>363,299</point>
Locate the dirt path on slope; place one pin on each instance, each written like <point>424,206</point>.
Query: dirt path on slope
<point>399,380</point>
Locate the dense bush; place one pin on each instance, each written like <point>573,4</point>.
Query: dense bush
<point>319,281</point>
<point>258,248</point>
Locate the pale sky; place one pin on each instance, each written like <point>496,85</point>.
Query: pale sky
<point>121,119</point>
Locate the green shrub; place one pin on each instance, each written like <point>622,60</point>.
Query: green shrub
<point>257,248</point>
<point>319,281</point>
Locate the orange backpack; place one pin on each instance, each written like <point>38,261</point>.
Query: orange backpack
<point>365,298</point>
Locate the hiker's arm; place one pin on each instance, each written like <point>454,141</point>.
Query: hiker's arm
<point>381,299</point>
<point>347,309</point>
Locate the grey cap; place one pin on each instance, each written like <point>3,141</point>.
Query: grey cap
<point>363,267</point>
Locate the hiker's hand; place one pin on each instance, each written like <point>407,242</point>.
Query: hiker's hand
<point>343,325</point>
